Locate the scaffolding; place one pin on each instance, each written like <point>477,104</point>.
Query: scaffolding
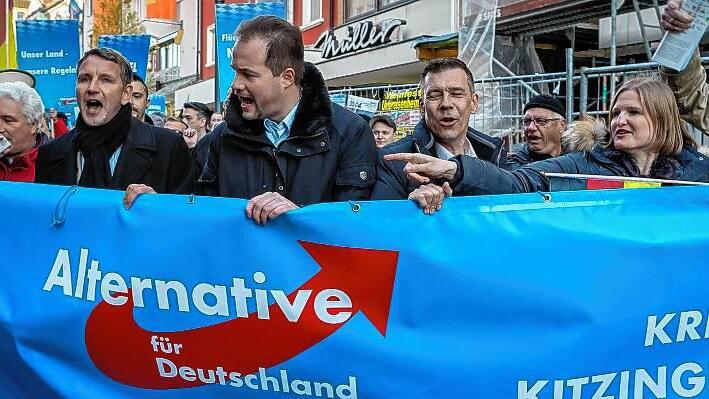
<point>515,91</point>
<point>587,90</point>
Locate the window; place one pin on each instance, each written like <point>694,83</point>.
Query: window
<point>359,7</point>
<point>211,43</point>
<point>169,56</point>
<point>384,3</point>
<point>312,11</point>
<point>139,9</point>
<point>289,11</point>
<point>355,8</point>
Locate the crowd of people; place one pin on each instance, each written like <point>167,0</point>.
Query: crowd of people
<point>282,144</point>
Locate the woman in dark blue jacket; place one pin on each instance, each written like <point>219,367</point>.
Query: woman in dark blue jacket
<point>647,139</point>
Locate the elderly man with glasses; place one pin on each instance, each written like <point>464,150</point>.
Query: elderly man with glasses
<point>543,125</point>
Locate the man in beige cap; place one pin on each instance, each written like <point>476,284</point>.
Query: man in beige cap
<point>16,75</point>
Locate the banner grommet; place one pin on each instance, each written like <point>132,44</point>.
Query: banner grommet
<point>356,207</point>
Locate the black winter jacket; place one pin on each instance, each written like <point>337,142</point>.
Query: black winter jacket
<point>523,157</point>
<point>391,180</point>
<point>482,178</point>
<point>329,154</point>
<point>150,155</point>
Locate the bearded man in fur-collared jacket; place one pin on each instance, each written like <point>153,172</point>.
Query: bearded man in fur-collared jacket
<point>284,143</point>
<point>283,138</point>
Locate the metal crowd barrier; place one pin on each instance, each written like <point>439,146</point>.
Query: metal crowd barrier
<point>502,98</point>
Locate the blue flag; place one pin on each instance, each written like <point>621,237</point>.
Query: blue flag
<point>228,17</point>
<point>157,104</point>
<point>74,10</point>
<point>592,294</point>
<point>49,50</point>
<point>134,47</point>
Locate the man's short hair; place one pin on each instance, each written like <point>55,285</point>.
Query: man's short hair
<point>385,119</point>
<point>201,108</point>
<point>444,64</point>
<point>284,43</point>
<point>136,78</point>
<point>114,56</point>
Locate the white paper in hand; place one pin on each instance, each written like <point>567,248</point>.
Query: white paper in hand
<point>676,49</point>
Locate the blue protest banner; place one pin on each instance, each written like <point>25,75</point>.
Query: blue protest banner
<point>228,17</point>
<point>594,294</point>
<point>49,50</point>
<point>157,104</point>
<point>134,47</point>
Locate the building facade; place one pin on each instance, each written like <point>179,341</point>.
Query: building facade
<point>204,88</point>
<point>380,42</point>
<point>384,33</point>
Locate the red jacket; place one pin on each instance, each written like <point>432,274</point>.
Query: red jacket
<point>60,128</point>
<point>21,169</point>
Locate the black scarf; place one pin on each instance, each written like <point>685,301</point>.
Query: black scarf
<point>667,168</point>
<point>98,143</point>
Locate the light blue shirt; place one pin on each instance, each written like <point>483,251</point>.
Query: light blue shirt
<point>111,162</point>
<point>443,153</point>
<point>279,131</point>
<point>114,160</point>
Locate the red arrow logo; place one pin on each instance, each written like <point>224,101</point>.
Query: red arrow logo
<point>121,349</point>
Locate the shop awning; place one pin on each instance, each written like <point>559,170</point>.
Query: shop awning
<point>429,47</point>
<point>174,85</point>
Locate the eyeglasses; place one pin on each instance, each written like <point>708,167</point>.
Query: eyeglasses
<point>538,121</point>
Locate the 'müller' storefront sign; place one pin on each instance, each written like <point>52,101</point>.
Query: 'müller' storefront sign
<point>362,35</point>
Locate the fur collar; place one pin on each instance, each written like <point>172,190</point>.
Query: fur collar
<point>583,135</point>
<point>313,114</point>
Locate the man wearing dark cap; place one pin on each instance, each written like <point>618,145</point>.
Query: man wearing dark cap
<point>383,128</point>
<point>542,125</point>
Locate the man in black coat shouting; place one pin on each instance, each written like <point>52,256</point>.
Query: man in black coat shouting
<point>284,143</point>
<point>109,148</point>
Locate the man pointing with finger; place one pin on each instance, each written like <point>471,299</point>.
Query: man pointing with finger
<point>448,100</point>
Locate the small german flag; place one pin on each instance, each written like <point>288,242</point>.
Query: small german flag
<point>569,181</point>
<point>600,184</point>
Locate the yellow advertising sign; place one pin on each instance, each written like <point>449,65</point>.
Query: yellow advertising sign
<point>399,100</point>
